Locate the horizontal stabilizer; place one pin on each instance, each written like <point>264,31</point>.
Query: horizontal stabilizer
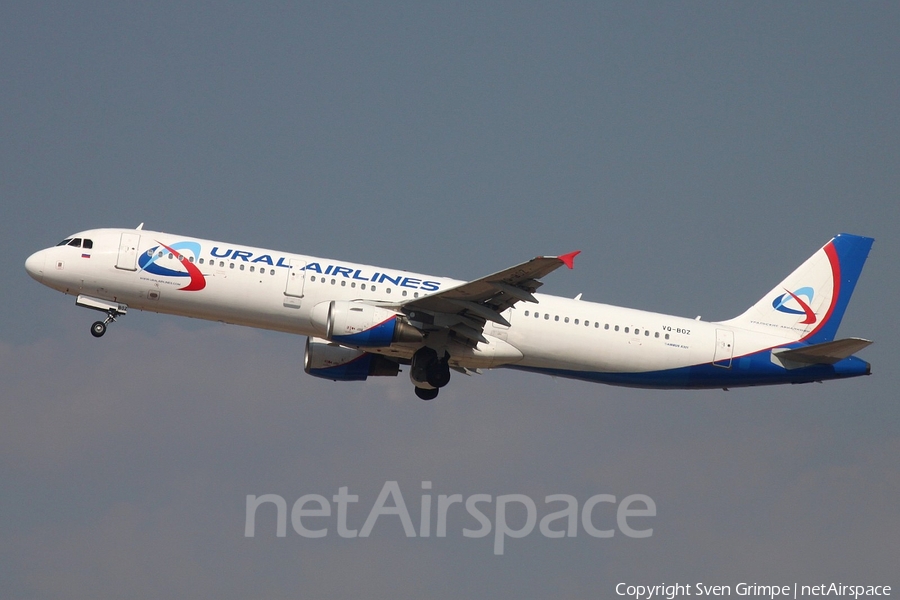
<point>826,353</point>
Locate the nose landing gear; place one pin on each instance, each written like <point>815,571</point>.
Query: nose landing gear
<point>112,310</point>
<point>99,327</point>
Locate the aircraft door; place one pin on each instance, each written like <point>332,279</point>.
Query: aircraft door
<point>293,289</point>
<point>128,250</point>
<point>724,348</point>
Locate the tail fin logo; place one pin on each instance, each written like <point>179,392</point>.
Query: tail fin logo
<point>784,303</point>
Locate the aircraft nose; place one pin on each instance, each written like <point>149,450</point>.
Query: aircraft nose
<point>34,264</point>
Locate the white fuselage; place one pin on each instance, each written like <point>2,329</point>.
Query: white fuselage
<point>273,290</point>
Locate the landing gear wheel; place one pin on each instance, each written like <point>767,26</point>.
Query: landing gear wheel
<point>98,329</point>
<point>425,394</point>
<point>438,373</point>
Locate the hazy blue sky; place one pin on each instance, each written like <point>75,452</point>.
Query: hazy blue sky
<point>696,153</point>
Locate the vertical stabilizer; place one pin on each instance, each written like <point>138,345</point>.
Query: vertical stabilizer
<point>810,303</point>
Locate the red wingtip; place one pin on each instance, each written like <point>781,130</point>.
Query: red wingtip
<point>569,259</point>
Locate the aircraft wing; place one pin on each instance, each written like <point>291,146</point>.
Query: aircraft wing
<point>466,307</point>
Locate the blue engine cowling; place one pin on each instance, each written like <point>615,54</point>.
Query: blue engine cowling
<point>361,324</point>
<point>332,361</point>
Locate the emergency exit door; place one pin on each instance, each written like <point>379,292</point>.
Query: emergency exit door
<point>293,289</point>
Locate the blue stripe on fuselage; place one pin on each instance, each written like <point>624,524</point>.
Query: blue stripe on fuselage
<point>750,370</point>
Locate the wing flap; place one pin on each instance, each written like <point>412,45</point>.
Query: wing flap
<point>469,332</point>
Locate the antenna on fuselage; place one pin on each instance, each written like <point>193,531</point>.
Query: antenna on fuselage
<point>139,227</point>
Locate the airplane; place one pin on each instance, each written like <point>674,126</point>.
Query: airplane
<point>365,321</point>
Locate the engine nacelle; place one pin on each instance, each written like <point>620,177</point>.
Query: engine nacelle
<point>360,324</point>
<point>339,363</point>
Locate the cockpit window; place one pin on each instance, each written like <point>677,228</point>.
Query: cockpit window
<point>76,242</point>
<point>64,242</point>
<point>87,244</point>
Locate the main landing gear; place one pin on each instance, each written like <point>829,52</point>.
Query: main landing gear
<point>429,373</point>
<point>427,394</point>
<point>111,309</point>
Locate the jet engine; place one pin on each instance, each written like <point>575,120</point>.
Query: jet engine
<point>360,324</point>
<point>332,361</point>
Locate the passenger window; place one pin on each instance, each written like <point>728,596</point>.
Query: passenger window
<point>547,317</point>
<point>576,321</point>
<point>332,282</point>
<point>373,289</point>
<point>647,333</point>
<point>656,335</point>
<point>87,244</point>
<point>362,286</point>
<point>388,290</point>
<point>353,284</point>
<point>556,318</point>
<point>605,326</point>
<point>567,319</point>
<point>221,262</point>
<point>415,294</point>
<point>667,336</point>
<point>76,243</point>
<point>343,284</point>
<point>536,315</point>
<point>637,331</point>
<point>626,330</point>
<point>242,267</point>
<point>617,328</point>
<point>201,261</point>
<point>526,313</point>
<point>230,265</point>
<point>191,259</point>
<point>252,269</point>
<point>271,271</point>
<point>404,293</point>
